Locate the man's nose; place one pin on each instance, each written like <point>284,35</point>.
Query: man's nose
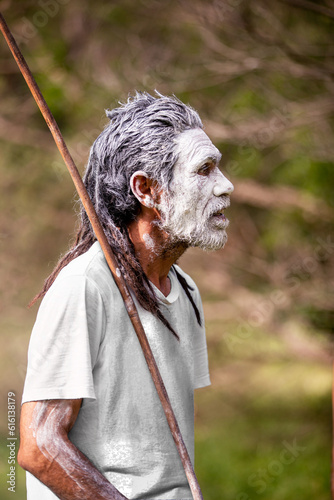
<point>222,185</point>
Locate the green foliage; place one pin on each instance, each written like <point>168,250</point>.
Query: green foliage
<point>260,74</point>
<point>242,452</point>
<point>310,175</point>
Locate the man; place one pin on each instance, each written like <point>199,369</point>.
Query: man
<point>92,426</point>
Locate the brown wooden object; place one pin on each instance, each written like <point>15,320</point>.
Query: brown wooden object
<point>111,260</point>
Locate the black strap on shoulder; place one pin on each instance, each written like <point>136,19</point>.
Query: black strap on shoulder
<point>187,288</point>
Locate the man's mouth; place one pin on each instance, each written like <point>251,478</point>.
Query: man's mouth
<point>219,214</point>
<point>219,219</point>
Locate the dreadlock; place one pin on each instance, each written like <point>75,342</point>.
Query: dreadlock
<point>140,136</point>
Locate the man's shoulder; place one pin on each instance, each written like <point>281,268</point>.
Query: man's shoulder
<point>87,263</point>
<point>90,266</point>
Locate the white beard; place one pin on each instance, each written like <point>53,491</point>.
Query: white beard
<point>191,229</point>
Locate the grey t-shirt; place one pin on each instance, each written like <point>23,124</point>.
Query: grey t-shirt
<point>83,345</point>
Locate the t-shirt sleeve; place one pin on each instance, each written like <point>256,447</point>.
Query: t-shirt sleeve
<point>201,363</point>
<point>65,341</point>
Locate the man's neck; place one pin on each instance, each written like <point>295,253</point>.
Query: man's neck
<point>154,251</point>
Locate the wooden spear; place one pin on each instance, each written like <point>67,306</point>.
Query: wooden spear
<point>111,260</point>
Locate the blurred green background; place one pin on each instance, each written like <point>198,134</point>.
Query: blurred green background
<point>261,76</point>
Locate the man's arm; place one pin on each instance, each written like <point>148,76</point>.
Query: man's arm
<point>47,452</point>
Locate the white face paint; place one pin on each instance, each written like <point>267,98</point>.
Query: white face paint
<point>149,242</point>
<point>193,208</point>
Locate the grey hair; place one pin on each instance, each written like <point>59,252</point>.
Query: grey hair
<point>140,136</point>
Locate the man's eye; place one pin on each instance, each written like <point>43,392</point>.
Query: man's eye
<point>205,169</point>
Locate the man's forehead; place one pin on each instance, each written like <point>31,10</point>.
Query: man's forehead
<point>195,145</point>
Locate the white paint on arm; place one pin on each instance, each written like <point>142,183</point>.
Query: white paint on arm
<point>50,423</point>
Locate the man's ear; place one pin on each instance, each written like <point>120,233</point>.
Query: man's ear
<point>142,187</point>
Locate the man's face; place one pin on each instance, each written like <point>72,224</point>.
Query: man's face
<point>192,210</point>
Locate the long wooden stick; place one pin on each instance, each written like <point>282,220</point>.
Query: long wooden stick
<point>112,262</point>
